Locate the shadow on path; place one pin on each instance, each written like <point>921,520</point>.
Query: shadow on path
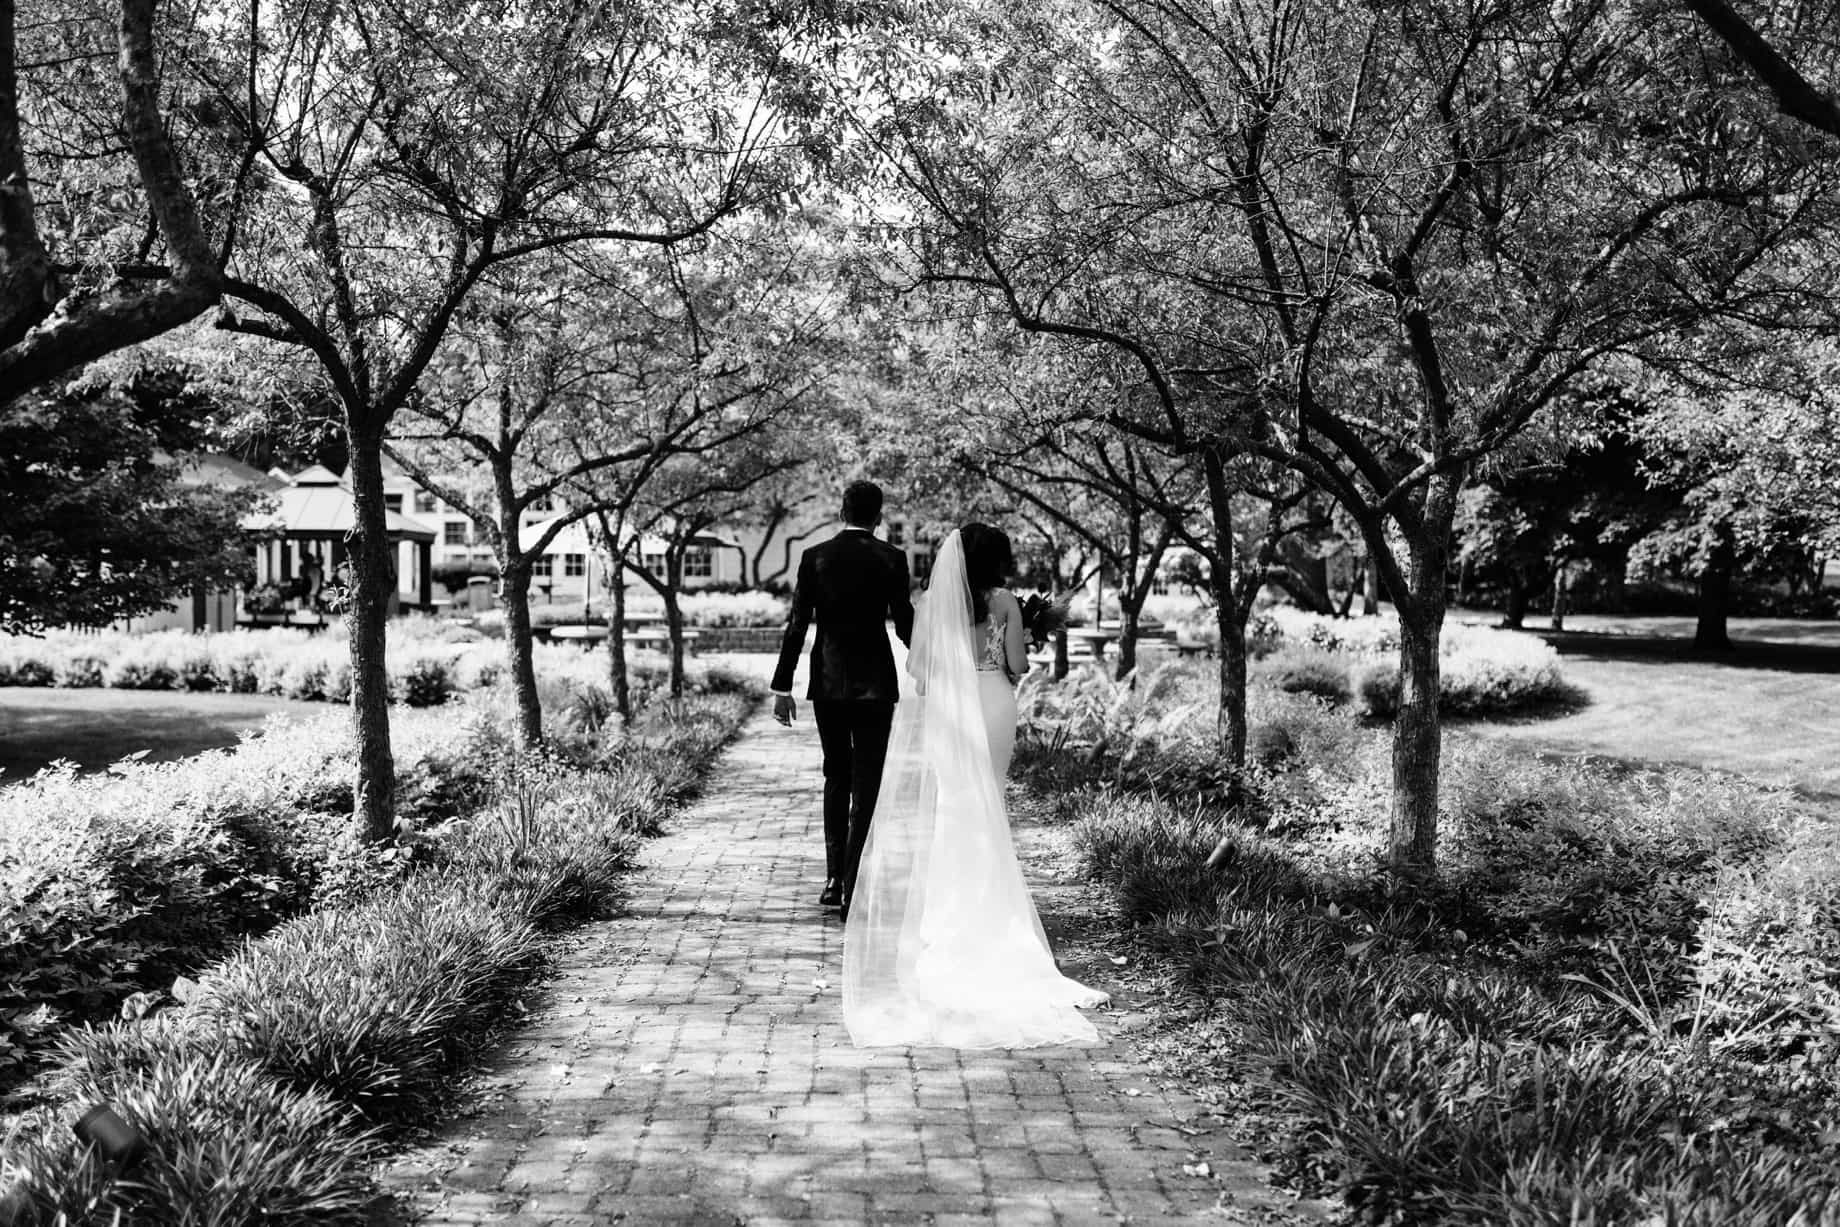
<point>688,1064</point>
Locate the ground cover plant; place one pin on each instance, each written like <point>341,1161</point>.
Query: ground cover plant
<point>430,662</point>
<point>699,609</point>
<point>1620,1003</point>
<point>1482,671</point>
<point>265,1074</point>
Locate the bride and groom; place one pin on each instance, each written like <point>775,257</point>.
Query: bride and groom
<point>942,942</point>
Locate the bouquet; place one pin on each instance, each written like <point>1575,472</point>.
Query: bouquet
<point>1042,615</point>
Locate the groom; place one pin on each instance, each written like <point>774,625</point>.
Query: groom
<point>850,585</point>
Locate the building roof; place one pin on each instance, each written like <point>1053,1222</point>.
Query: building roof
<point>317,505</point>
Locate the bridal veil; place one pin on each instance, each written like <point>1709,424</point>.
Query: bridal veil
<point>944,946</point>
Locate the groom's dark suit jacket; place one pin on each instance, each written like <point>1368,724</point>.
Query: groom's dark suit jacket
<point>850,586</point>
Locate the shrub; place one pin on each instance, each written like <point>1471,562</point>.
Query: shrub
<point>27,662</point>
<point>197,670</point>
<point>259,1087</point>
<point>1481,672</point>
<point>549,852</point>
<point>148,665</point>
<point>369,1004</point>
<point>226,1142</point>
<point>1306,670</point>
<point>721,609</point>
<point>107,889</point>
<point>112,884</point>
<point>424,681</point>
<point>1621,981</point>
<point>1153,855</point>
<point>77,670</point>
<point>1352,636</point>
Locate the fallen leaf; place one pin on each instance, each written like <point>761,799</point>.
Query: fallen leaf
<point>1197,1169</point>
<point>820,985</point>
<point>1119,960</point>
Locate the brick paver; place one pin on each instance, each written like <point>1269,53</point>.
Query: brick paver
<point>689,1064</point>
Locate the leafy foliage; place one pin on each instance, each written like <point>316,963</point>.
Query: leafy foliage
<point>270,1076</point>
<point>99,521</point>
<point>1618,1003</point>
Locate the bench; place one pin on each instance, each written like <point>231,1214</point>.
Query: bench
<point>1093,641</point>
<point>586,634</point>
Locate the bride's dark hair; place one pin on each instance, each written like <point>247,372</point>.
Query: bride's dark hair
<point>989,562</point>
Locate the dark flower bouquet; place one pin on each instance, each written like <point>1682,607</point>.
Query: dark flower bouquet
<point>1042,615</point>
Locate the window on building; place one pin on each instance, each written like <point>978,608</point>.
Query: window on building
<point>393,502</point>
<point>453,532</point>
<point>654,563</point>
<point>424,501</point>
<point>897,533</point>
<point>923,564</point>
<point>543,502</point>
<point>699,563</point>
<point>574,564</point>
<point>543,568</point>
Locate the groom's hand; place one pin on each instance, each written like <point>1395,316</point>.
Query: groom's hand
<point>784,709</point>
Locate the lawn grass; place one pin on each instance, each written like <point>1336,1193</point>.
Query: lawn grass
<point>94,728</point>
<point>1769,710</point>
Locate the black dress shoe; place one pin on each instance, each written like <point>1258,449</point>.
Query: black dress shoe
<point>833,893</point>
<point>843,913</point>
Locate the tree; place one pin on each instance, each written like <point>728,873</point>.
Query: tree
<point>1112,493</point>
<point>1744,502</point>
<point>677,504</point>
<point>406,155</point>
<point>1370,246</point>
<point>97,522</point>
<point>1804,90</point>
<point>575,369</point>
<point>79,281</point>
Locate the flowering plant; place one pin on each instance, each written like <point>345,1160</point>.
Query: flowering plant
<point>1042,615</point>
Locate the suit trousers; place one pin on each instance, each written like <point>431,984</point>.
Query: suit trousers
<point>854,735</point>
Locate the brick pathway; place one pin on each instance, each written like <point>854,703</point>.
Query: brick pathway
<point>689,1064</point>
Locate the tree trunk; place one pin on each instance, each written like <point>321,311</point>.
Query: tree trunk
<point>373,583</point>
<point>1516,616</point>
<point>617,679</point>
<point>1305,577</point>
<point>1127,634</point>
<point>1417,730</point>
<point>1370,599</point>
<point>674,616</point>
<point>1229,617</point>
<point>519,658</point>
<point>1232,712</point>
<point>1712,631</point>
<point>1354,584</point>
<point>1561,574</point>
<point>1616,583</point>
<point>1063,661</point>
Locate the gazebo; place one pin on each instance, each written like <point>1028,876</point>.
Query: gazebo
<point>300,545</point>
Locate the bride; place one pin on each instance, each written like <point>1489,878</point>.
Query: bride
<point>944,946</point>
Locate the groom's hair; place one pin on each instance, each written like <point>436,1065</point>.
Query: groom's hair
<point>862,503</point>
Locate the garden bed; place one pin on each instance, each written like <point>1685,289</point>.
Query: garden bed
<point>284,1001</point>
<point>1621,1000</point>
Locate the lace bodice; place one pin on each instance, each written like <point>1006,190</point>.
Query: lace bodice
<point>990,653</point>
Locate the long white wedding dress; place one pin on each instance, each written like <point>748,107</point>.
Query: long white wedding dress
<point>944,946</point>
